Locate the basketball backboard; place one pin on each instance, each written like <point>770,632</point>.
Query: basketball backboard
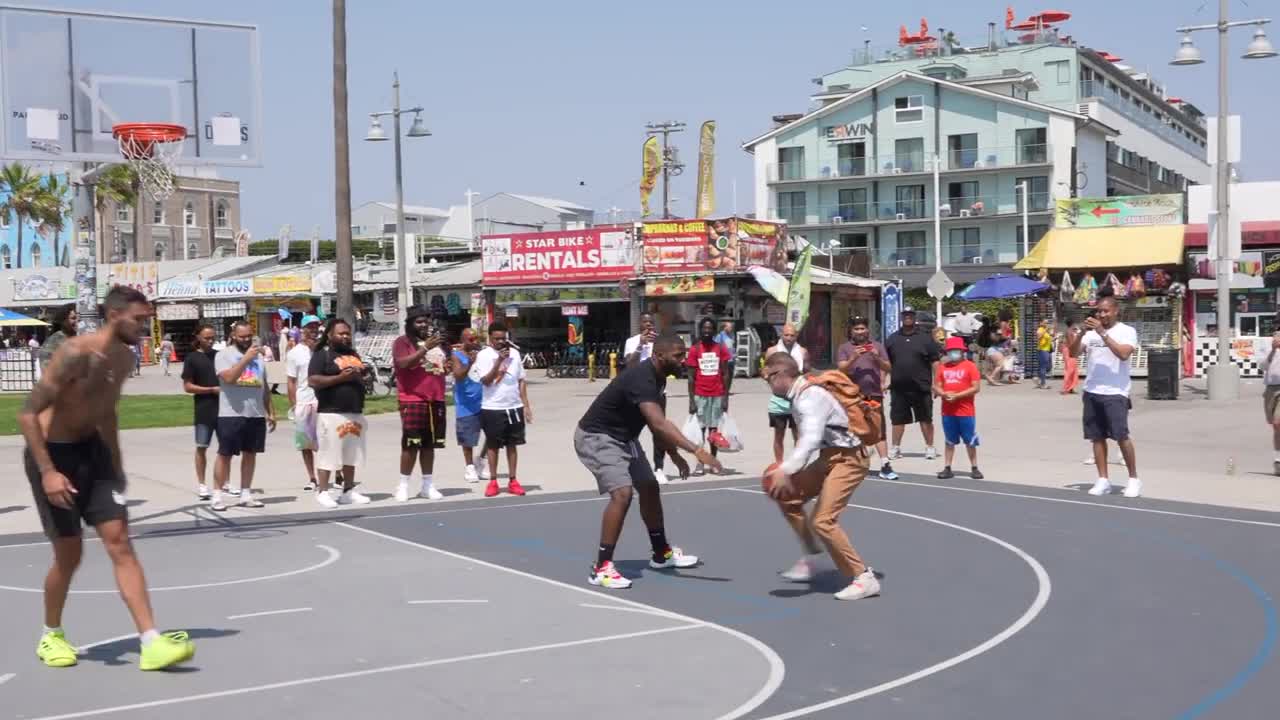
<point>67,76</point>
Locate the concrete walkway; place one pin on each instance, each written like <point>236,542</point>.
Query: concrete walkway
<point>1029,436</point>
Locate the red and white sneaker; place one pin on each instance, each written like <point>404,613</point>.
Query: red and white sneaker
<point>514,487</point>
<point>491,490</point>
<point>607,576</point>
<point>674,558</point>
<point>717,439</point>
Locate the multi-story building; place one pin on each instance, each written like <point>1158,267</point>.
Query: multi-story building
<point>199,220</point>
<point>511,213</point>
<point>855,173</point>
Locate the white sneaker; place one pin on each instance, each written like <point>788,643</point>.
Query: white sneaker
<point>482,471</point>
<point>801,572</point>
<point>233,492</point>
<point>675,558</point>
<point>351,497</point>
<point>402,493</point>
<point>864,586</point>
<point>247,500</point>
<point>608,576</point>
<point>930,454</point>
<point>470,475</point>
<point>431,493</point>
<point>1102,487</point>
<point>699,471</point>
<point>1133,489</point>
<point>325,499</point>
<point>1088,461</point>
<point>202,491</point>
<point>662,478</point>
<point>895,453</point>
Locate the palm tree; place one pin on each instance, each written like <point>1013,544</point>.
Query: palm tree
<point>114,186</point>
<point>54,204</point>
<point>22,197</point>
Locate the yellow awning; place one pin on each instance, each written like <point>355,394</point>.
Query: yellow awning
<point>1106,248</point>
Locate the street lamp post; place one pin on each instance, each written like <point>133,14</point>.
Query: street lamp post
<point>1224,376</point>
<point>377,134</point>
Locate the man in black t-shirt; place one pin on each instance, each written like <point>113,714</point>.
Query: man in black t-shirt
<point>200,379</point>
<point>914,356</point>
<point>606,443</point>
<point>336,374</point>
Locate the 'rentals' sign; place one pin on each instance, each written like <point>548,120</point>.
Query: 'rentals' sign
<point>568,256</point>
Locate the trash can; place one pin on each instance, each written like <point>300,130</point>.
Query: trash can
<point>1162,373</point>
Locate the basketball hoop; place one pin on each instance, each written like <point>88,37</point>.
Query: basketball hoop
<point>152,150</point>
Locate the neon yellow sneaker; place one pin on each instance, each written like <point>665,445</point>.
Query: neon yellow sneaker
<point>167,650</point>
<point>54,650</point>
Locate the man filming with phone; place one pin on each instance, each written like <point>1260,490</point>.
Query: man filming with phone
<point>505,407</point>
<point>867,365</point>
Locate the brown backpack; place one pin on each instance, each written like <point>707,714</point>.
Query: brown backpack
<point>865,419</point>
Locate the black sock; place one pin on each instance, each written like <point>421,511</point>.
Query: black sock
<point>604,554</point>
<point>659,458</point>
<point>658,541</point>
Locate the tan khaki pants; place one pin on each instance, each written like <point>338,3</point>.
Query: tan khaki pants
<point>831,479</point>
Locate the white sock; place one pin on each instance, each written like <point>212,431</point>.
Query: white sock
<point>427,481</point>
<point>217,496</point>
<point>404,480</point>
<point>148,637</point>
<point>48,630</point>
<point>1105,480</point>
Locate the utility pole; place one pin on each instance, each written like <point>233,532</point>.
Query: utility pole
<point>342,166</point>
<point>671,164</point>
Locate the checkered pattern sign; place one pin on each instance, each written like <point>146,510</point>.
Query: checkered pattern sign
<point>1207,355</point>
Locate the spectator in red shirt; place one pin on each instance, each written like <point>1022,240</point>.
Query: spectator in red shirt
<point>420,364</point>
<point>709,381</point>
<point>957,382</point>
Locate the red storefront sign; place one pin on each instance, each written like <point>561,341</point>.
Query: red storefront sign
<point>726,245</point>
<point>568,256</point>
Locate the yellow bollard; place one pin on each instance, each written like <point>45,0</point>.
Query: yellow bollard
<point>591,367</point>
<point>613,365</point>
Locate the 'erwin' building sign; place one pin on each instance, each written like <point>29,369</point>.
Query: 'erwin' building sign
<point>848,131</point>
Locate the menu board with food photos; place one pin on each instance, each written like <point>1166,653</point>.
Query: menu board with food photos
<point>725,245</point>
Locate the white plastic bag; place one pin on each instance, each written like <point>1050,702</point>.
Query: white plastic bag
<point>729,429</point>
<point>692,430</point>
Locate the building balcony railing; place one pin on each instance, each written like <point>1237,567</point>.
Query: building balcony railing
<point>1098,90</point>
<point>890,255</point>
<point>890,211</point>
<point>952,161</point>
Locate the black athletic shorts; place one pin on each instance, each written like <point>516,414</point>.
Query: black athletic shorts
<point>241,434</point>
<point>782,421</point>
<point>502,428</point>
<point>908,406</point>
<point>99,490</point>
<point>1106,417</point>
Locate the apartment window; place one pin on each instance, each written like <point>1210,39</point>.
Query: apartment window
<point>1037,192</point>
<point>962,195</point>
<point>965,245</point>
<point>124,213</point>
<point>1032,146</point>
<point>160,251</point>
<point>220,214</point>
<point>853,204</point>
<point>908,109</point>
<point>791,207</point>
<point>911,249</point>
<point>962,151</point>
<point>189,214</point>
<point>410,219</point>
<point>1061,70</point>
<point>388,228</point>
<point>852,159</point>
<point>157,213</point>
<point>908,154</point>
<point>6,259</point>
<point>1037,232</point>
<point>35,255</point>
<point>854,242</point>
<point>909,201</point>
<point>791,163</point>
<point>193,250</point>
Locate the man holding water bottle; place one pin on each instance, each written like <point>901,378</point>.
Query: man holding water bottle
<point>505,407</point>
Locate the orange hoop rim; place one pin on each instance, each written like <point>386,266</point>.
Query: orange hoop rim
<point>144,135</point>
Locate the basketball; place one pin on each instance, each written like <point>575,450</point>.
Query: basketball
<point>764,476</point>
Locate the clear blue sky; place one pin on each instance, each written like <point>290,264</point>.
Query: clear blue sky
<point>535,97</point>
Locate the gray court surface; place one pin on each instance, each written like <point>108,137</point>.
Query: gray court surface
<point>999,603</point>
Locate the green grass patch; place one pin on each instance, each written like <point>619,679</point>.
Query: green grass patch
<point>154,411</point>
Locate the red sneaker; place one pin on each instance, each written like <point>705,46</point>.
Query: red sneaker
<point>715,438</point>
<point>491,490</point>
<point>514,487</point>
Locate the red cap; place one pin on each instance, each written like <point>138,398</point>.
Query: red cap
<point>955,343</point>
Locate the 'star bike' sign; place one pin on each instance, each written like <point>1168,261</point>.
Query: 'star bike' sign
<point>567,256</point>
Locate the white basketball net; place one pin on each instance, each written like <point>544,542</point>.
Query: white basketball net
<point>154,165</point>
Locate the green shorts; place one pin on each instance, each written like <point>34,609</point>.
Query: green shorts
<point>709,411</point>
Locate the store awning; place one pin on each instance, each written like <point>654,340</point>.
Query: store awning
<point>1106,248</point>
<point>1252,233</point>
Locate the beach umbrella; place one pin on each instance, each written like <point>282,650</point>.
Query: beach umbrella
<point>9,318</point>
<point>1002,286</point>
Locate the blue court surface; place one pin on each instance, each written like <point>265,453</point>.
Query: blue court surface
<point>999,602</point>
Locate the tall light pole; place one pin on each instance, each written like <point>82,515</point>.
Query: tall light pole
<point>1224,376</point>
<point>342,168</point>
<point>377,134</point>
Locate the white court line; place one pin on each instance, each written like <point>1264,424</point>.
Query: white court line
<point>131,636</point>
<point>269,612</point>
<point>619,608</point>
<point>447,602</point>
<point>7,677</point>
<point>1037,605</point>
<point>370,671</point>
<point>777,668</point>
<point>1087,503</point>
<point>331,559</point>
<point>515,504</point>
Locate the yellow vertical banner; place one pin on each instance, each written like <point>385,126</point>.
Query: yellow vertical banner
<point>706,170</point>
<point>651,168</point>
